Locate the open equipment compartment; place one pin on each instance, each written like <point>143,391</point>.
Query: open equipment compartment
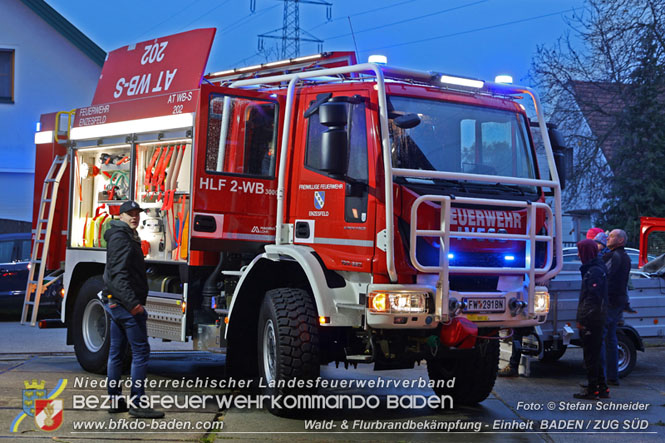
<point>102,182</point>
<point>163,190</point>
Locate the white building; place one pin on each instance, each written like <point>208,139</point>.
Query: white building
<point>46,65</point>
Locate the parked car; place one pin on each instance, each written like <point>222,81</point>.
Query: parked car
<point>571,262</point>
<point>14,261</point>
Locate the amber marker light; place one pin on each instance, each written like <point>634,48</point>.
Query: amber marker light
<point>379,302</point>
<point>324,320</point>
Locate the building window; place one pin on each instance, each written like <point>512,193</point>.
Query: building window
<point>6,76</point>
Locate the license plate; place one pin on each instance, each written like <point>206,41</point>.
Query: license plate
<point>485,304</point>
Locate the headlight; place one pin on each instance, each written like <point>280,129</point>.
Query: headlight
<point>541,302</point>
<point>382,302</point>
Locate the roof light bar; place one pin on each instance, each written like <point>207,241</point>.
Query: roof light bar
<point>378,59</point>
<point>503,78</point>
<point>276,63</point>
<point>307,58</point>
<point>133,126</point>
<point>43,137</point>
<point>461,81</point>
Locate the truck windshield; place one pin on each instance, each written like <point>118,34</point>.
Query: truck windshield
<point>453,137</point>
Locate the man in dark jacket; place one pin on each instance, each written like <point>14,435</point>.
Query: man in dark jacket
<point>591,312</point>
<point>618,273</point>
<point>126,293</point>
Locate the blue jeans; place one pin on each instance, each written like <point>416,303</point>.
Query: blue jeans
<point>609,354</point>
<point>132,329</point>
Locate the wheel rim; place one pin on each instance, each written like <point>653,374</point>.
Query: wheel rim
<point>94,325</point>
<point>623,357</point>
<point>269,351</point>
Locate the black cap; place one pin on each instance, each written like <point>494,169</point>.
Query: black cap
<point>128,206</point>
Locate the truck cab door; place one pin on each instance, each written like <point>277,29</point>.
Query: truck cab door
<point>333,213</point>
<point>235,179</point>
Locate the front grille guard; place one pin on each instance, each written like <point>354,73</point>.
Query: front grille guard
<point>529,270</point>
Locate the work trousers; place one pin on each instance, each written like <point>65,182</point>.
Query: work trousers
<point>127,328</point>
<point>592,338</point>
<point>609,354</point>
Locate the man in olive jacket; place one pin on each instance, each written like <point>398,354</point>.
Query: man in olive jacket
<point>125,296</point>
<point>618,273</point>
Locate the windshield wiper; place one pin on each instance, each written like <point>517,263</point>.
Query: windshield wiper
<point>517,188</point>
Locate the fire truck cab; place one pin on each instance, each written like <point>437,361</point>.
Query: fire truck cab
<point>310,211</point>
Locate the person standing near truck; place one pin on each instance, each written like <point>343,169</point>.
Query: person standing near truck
<point>591,314</point>
<point>618,273</point>
<point>125,295</point>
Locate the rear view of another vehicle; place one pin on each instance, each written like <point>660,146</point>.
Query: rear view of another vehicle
<point>14,269</point>
<point>14,257</point>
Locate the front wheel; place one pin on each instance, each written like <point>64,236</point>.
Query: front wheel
<point>91,327</point>
<point>474,374</point>
<point>288,339</point>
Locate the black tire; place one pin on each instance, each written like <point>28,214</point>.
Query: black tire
<point>627,354</point>
<point>288,340</point>
<point>474,374</point>
<point>91,327</point>
<point>550,355</point>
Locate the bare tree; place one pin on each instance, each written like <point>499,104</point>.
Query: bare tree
<point>599,74</point>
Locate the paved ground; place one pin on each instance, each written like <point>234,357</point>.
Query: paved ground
<point>517,410</point>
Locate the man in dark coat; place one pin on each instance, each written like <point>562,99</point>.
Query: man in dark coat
<point>125,296</point>
<point>618,273</point>
<point>591,312</point>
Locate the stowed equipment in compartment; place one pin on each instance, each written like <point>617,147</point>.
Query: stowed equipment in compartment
<point>102,182</point>
<point>163,190</point>
<point>154,174</point>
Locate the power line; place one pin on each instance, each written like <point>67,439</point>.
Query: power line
<point>242,60</point>
<point>167,19</point>
<point>484,28</point>
<point>382,8</point>
<point>399,22</point>
<point>205,13</point>
<point>291,33</point>
<point>251,16</point>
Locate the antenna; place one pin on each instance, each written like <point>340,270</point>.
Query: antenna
<point>290,33</point>
<point>354,36</point>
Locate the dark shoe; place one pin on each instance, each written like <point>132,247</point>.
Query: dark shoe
<point>586,394</point>
<point>120,406</point>
<point>603,392</point>
<point>145,413</point>
<point>508,371</point>
<point>613,382</point>
<point>628,309</point>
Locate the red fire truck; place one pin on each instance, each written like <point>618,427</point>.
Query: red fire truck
<point>305,211</point>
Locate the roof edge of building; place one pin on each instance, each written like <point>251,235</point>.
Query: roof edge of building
<point>67,29</point>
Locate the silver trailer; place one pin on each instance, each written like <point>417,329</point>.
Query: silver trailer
<point>550,340</point>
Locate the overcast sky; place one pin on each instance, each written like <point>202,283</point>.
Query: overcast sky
<point>476,38</point>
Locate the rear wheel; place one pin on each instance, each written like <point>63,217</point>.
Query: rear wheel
<point>288,340</point>
<point>91,327</point>
<point>626,354</point>
<point>474,375</point>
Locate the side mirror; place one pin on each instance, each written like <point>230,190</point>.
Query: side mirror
<point>407,121</point>
<point>559,150</point>
<point>334,141</point>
